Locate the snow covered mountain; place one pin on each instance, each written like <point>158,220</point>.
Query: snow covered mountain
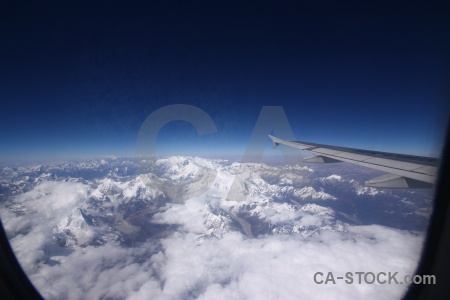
<point>56,214</point>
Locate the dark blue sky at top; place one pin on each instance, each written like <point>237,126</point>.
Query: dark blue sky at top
<point>78,80</point>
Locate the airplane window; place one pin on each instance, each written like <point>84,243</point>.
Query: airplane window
<point>221,150</point>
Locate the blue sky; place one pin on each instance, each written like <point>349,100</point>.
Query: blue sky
<point>79,82</point>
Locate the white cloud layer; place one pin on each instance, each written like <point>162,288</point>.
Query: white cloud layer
<point>195,264</point>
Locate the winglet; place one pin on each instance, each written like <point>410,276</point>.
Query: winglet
<point>274,143</point>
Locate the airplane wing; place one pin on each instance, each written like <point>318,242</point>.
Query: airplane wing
<point>405,171</point>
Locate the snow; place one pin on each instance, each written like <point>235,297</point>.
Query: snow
<point>253,231</point>
<point>310,193</point>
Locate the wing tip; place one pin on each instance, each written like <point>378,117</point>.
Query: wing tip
<point>274,143</point>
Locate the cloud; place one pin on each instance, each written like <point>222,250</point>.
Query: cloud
<point>193,263</point>
<point>108,271</point>
<point>39,210</point>
<point>272,267</point>
<point>281,266</point>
